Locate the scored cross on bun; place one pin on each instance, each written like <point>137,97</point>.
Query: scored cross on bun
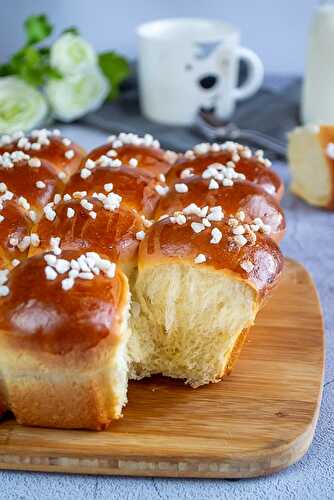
<point>120,265</point>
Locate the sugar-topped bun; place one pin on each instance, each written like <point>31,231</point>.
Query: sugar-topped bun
<point>197,250</point>
<point>197,295</point>
<point>143,153</point>
<point>136,189</point>
<point>63,154</point>
<point>237,195</point>
<point>255,168</point>
<point>66,336</point>
<point>30,181</point>
<point>15,228</point>
<point>85,223</point>
<point>259,260</point>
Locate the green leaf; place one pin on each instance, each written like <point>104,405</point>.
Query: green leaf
<point>53,73</point>
<point>72,29</point>
<point>33,76</point>
<point>44,51</point>
<point>37,28</point>
<point>31,56</point>
<point>116,69</point>
<point>28,56</point>
<point>32,65</point>
<point>5,70</point>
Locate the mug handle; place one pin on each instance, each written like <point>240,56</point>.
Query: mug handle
<point>255,74</point>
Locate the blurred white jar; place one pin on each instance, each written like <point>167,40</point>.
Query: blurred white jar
<point>318,92</point>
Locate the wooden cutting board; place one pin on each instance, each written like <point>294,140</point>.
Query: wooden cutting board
<point>257,421</point>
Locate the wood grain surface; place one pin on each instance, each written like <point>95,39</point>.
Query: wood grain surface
<point>257,421</point>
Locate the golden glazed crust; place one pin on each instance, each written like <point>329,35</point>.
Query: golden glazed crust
<point>150,160</point>
<point>136,188</point>
<point>235,353</point>
<point>254,170</point>
<point>243,195</point>
<point>22,180</point>
<point>112,233</point>
<point>70,390</point>
<point>15,226</point>
<point>39,315</point>
<point>169,242</point>
<point>53,153</point>
<point>59,349</point>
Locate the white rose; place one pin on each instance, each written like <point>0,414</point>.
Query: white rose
<point>71,54</point>
<point>21,106</point>
<point>75,95</point>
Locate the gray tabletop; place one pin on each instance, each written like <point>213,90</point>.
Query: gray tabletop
<point>310,239</point>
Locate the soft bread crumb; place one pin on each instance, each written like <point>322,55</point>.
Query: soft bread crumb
<point>186,322</point>
<point>311,177</point>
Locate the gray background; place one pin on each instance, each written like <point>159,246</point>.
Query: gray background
<point>276,29</point>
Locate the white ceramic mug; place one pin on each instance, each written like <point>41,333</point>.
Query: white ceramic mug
<point>190,64</point>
